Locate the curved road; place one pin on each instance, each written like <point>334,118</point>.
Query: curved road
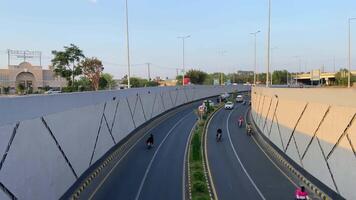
<point>156,173</point>
<point>239,168</point>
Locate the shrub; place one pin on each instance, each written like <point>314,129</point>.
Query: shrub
<point>199,186</point>
<point>199,175</point>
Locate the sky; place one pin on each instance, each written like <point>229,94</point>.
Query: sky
<point>314,32</point>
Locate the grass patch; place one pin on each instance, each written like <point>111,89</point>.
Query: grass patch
<point>198,181</point>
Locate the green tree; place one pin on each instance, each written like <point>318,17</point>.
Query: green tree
<point>341,77</point>
<point>196,76</point>
<point>66,62</point>
<point>136,82</point>
<point>179,78</point>
<point>279,77</point>
<point>83,84</point>
<point>92,69</point>
<point>107,81</point>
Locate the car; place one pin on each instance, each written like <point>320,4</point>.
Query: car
<point>52,91</point>
<point>209,102</point>
<point>239,98</point>
<point>224,96</point>
<point>229,105</point>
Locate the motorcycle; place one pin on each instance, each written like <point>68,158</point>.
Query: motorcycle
<point>249,131</point>
<point>240,123</point>
<point>218,137</point>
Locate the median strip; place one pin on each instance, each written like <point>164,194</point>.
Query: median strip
<point>198,174</point>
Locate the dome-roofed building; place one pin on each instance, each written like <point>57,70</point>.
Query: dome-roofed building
<point>31,78</point>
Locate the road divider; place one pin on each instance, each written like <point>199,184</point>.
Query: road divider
<point>199,176</point>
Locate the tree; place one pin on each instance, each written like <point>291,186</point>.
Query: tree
<point>197,76</point>
<point>179,78</point>
<point>107,81</point>
<point>66,62</point>
<point>279,77</point>
<point>92,68</point>
<point>341,77</point>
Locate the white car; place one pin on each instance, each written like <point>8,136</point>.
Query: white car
<point>210,102</point>
<point>239,98</point>
<point>229,105</point>
<point>51,91</point>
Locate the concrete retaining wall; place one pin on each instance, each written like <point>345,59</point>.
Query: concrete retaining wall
<point>47,142</point>
<point>314,127</point>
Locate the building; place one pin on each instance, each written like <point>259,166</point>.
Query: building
<point>30,78</point>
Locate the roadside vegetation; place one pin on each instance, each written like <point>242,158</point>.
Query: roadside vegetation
<point>198,180</point>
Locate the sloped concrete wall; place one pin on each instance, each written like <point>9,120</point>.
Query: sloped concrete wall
<point>314,127</point>
<point>47,142</point>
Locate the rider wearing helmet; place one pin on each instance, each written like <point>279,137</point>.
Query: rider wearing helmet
<point>240,121</point>
<point>218,134</point>
<point>150,140</point>
<point>301,194</point>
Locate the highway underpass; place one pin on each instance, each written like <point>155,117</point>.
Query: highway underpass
<point>151,174</point>
<point>240,168</point>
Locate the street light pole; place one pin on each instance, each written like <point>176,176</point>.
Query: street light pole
<point>255,56</point>
<point>149,71</point>
<point>268,42</point>
<point>274,48</point>
<point>128,47</point>
<point>183,40</point>
<point>349,75</point>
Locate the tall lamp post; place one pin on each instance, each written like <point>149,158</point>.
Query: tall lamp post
<point>183,40</point>
<point>274,48</point>
<point>128,47</point>
<point>268,42</point>
<point>255,56</point>
<point>349,75</point>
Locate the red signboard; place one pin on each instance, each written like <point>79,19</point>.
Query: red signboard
<point>186,81</point>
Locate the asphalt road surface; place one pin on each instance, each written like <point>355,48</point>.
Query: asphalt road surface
<point>156,173</point>
<point>239,168</point>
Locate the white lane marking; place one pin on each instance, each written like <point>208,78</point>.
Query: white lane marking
<point>185,158</point>
<point>118,162</point>
<point>238,159</point>
<point>155,154</point>
<point>269,158</point>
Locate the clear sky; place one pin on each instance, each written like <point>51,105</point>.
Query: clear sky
<point>314,30</point>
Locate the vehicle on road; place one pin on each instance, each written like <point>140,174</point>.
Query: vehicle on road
<point>229,105</point>
<point>249,129</point>
<point>239,98</point>
<point>150,141</point>
<point>208,102</point>
<point>240,121</point>
<point>224,96</point>
<point>52,91</point>
<point>218,135</point>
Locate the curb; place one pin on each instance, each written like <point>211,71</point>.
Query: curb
<point>187,163</point>
<point>277,156</point>
<point>207,171</point>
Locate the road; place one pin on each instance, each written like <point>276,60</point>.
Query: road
<point>239,168</point>
<point>156,173</point>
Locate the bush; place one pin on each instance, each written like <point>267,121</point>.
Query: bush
<point>196,147</point>
<point>200,186</point>
<point>199,175</point>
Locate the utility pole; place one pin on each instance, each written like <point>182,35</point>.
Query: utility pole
<point>349,56</point>
<point>334,64</point>
<point>183,40</point>
<point>268,42</point>
<point>255,57</point>
<point>149,71</point>
<point>128,47</point>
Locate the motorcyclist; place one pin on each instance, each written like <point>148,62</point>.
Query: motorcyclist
<point>240,121</point>
<point>150,141</point>
<point>301,194</point>
<point>249,129</point>
<point>218,134</point>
